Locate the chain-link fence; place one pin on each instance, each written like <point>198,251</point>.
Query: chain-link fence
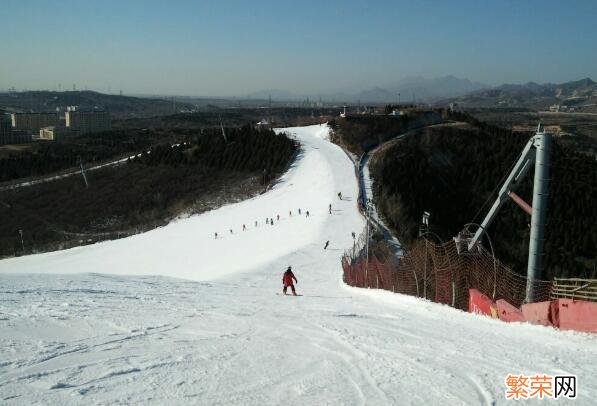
<point>436,272</point>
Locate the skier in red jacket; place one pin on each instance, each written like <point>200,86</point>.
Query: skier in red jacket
<point>287,281</point>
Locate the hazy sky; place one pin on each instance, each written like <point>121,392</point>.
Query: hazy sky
<point>234,48</point>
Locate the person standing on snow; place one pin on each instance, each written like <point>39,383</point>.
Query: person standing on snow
<point>287,281</point>
<point>326,244</point>
<point>330,208</point>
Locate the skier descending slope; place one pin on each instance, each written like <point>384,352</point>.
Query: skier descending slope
<point>287,281</point>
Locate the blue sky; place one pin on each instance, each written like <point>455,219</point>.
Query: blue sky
<point>236,47</point>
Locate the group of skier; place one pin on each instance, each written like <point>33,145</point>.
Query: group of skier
<point>288,279</point>
<point>268,221</point>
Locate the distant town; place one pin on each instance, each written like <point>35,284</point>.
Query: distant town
<point>21,128</point>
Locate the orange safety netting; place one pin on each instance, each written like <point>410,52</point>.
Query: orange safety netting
<point>437,272</point>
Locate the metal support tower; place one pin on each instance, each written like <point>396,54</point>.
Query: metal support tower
<point>537,150</point>
<point>539,216</point>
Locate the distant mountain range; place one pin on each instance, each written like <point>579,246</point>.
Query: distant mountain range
<point>410,88</point>
<point>580,93</point>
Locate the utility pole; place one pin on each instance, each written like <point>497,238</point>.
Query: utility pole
<point>424,229</point>
<point>368,206</point>
<point>83,172</point>
<point>22,243</point>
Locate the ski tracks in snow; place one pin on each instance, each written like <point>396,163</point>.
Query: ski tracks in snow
<point>225,337</point>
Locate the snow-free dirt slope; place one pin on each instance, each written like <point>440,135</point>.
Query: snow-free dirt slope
<point>221,335</point>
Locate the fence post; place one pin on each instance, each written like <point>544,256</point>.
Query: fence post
<point>416,282</point>
<point>367,247</point>
<point>425,273</point>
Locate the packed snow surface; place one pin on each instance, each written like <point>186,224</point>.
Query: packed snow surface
<point>175,316</point>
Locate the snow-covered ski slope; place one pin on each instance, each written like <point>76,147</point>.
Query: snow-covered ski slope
<point>133,332</point>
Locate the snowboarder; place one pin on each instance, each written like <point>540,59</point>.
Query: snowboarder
<point>340,195</point>
<point>271,221</point>
<point>231,231</point>
<point>244,228</point>
<point>326,244</point>
<point>299,211</point>
<point>307,213</point>
<point>266,221</point>
<point>330,208</point>
<point>216,235</point>
<point>287,281</point>
<point>278,217</point>
<point>255,223</point>
<point>290,213</point>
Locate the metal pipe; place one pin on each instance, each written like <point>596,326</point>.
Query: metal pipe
<point>539,213</point>
<point>521,203</point>
<point>519,169</point>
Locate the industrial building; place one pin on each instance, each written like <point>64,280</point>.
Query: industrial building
<point>5,130</point>
<point>85,122</point>
<point>52,133</point>
<point>10,136</point>
<point>33,122</point>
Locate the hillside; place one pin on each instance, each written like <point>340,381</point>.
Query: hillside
<point>231,117</point>
<point>361,133</point>
<point>200,173</point>
<point>175,316</point>
<point>118,106</point>
<point>464,166</point>
<point>580,94</point>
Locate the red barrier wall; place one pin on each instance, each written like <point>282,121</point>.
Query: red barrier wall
<point>566,314</point>
<point>537,313</point>
<point>507,312</point>
<point>481,304</point>
<point>579,315</point>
